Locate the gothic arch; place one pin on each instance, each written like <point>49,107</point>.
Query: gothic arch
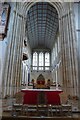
<point>65,15</point>
<point>57,5</point>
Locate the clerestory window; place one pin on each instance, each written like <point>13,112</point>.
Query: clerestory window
<point>41,61</point>
<point>35,61</point>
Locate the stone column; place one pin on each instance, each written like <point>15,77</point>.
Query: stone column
<point>9,56</point>
<point>68,52</point>
<point>61,50</point>
<point>79,51</point>
<point>17,57</point>
<point>14,56</point>
<point>23,23</point>
<point>73,50</point>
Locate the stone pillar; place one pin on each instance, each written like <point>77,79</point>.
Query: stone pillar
<point>61,50</point>
<point>23,23</point>
<point>8,58</point>
<point>73,52</point>
<point>79,50</point>
<point>19,46</point>
<point>18,57</point>
<point>68,52</point>
<point>12,70</point>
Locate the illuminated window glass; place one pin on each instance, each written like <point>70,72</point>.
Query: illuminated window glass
<point>47,61</point>
<point>35,61</point>
<point>41,59</point>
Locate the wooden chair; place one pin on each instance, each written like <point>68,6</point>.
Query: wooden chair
<point>30,106</point>
<point>54,106</point>
<point>42,106</point>
<point>18,104</point>
<point>31,110</point>
<point>65,105</point>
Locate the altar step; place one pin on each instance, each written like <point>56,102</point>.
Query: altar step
<point>38,118</point>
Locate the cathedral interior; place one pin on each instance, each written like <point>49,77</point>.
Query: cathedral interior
<point>40,60</point>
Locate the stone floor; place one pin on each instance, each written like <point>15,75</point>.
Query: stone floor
<point>6,110</point>
<point>7,116</point>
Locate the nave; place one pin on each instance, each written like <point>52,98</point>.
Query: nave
<point>40,59</point>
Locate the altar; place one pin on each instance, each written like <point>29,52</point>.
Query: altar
<point>52,96</point>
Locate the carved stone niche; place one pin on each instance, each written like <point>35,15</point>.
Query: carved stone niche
<point>4,19</point>
<point>25,56</point>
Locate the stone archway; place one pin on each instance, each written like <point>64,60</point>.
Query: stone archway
<point>68,44</point>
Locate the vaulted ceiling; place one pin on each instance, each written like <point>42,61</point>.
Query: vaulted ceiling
<point>42,25</point>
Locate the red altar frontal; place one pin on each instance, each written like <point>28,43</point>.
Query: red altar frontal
<point>52,96</point>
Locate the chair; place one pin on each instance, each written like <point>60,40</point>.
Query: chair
<point>31,110</point>
<point>42,106</point>
<point>54,104</point>
<point>29,103</point>
<point>18,105</point>
<point>65,105</point>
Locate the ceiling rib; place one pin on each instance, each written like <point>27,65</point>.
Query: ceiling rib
<point>42,24</point>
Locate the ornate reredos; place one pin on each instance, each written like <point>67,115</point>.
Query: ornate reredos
<point>40,78</point>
